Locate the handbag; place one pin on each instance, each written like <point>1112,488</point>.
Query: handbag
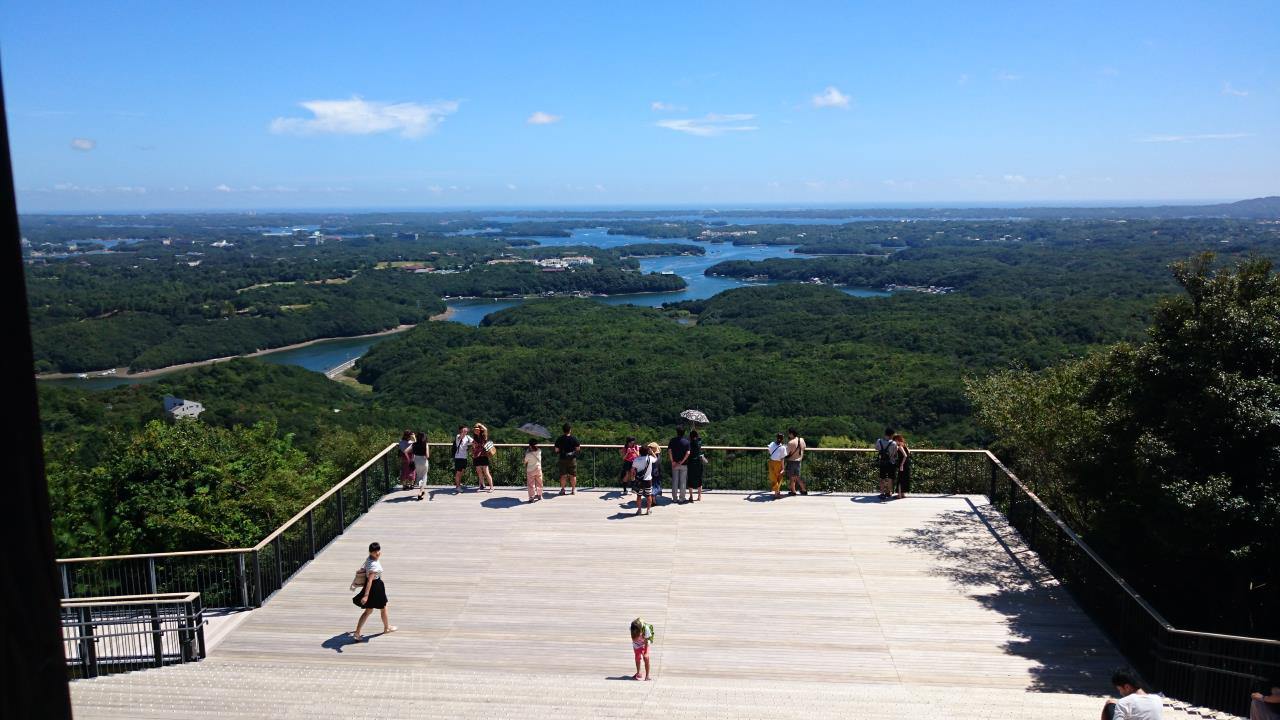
<point>360,580</point>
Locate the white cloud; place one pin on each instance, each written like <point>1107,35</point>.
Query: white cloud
<point>224,188</point>
<point>1006,76</point>
<point>542,118</point>
<point>963,79</point>
<point>711,125</point>
<point>83,144</point>
<point>831,97</point>
<point>1015,179</point>
<point>659,106</point>
<point>1228,90</point>
<point>365,117</point>
<point>1192,138</point>
<point>1109,71</point>
<point>131,189</point>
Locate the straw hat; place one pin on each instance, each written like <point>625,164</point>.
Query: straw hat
<point>654,447</point>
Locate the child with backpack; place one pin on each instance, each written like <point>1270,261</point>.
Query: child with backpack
<point>641,637</point>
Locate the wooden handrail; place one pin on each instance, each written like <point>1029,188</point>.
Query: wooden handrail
<point>329,493</point>
<point>144,556</point>
<point>740,448</point>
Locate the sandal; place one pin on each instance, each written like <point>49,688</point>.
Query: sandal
<point>391,629</point>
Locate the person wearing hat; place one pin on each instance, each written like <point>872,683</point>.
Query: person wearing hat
<point>646,474</point>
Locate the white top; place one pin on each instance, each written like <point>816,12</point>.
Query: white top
<point>464,448</point>
<point>644,467</point>
<point>777,450</point>
<point>533,459</point>
<point>1136,706</point>
<point>372,567</point>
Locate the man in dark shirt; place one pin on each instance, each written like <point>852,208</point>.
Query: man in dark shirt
<point>679,449</point>
<point>567,447</point>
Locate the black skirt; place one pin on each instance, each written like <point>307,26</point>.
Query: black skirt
<point>377,596</point>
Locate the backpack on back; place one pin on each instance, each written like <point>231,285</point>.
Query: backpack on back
<point>888,453</point>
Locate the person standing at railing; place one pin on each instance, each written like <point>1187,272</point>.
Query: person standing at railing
<point>421,457</point>
<point>567,447</point>
<point>533,469</point>
<point>374,594</point>
<point>406,461</point>
<point>643,467</point>
<point>482,451</point>
<point>1134,702</point>
<point>777,456</point>
<point>795,455</point>
<point>887,461</point>
<point>904,466</point>
<point>678,450</point>
<point>696,465</point>
<point>461,451</point>
<point>629,453</point>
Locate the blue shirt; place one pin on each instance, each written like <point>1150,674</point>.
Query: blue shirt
<point>679,448</point>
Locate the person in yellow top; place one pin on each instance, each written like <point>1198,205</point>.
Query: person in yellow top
<point>777,455</point>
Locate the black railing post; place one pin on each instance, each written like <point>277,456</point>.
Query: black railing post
<point>257,576</point>
<point>151,576</point>
<point>364,490</point>
<point>311,531</point>
<point>275,544</point>
<point>66,581</point>
<point>242,579</point>
<point>88,645</point>
<point>342,511</point>
<point>991,493</point>
<point>157,638</point>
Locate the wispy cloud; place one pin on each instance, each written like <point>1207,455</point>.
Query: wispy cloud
<point>1007,76</point>
<point>1015,179</point>
<point>1192,138</point>
<point>83,144</point>
<point>223,188</point>
<point>963,79</point>
<point>542,118</point>
<point>1109,71</point>
<point>711,125</point>
<point>1228,90</point>
<point>659,106</point>
<point>366,117</point>
<point>831,97</point>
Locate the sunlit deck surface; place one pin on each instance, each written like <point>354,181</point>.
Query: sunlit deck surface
<point>817,606</point>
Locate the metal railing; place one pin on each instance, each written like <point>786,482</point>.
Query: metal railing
<point>851,470</point>
<point>1206,669</point>
<point>237,577</point>
<point>107,635</point>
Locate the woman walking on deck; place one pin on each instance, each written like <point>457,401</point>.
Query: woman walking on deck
<point>406,460</point>
<point>373,595</point>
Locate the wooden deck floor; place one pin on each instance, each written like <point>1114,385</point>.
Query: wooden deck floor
<point>919,595</point>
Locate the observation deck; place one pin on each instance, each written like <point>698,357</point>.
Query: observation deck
<point>826,605</point>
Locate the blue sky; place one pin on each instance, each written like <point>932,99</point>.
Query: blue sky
<point>148,106</point>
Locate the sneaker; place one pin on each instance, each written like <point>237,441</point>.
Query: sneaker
<point>791,492</point>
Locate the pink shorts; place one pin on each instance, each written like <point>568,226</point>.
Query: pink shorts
<point>641,652</point>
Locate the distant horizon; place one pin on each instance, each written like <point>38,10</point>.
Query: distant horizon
<point>724,208</point>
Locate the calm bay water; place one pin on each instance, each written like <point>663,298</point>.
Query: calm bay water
<point>322,356</point>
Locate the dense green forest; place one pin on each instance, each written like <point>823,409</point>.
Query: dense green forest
<point>1169,447</point>
<point>1139,402</point>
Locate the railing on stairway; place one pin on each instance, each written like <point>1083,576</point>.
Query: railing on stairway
<point>107,635</point>
<point>237,577</point>
<point>1206,669</point>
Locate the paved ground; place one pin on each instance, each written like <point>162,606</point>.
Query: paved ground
<point>818,606</point>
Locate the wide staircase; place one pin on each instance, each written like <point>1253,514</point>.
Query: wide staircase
<point>826,605</point>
